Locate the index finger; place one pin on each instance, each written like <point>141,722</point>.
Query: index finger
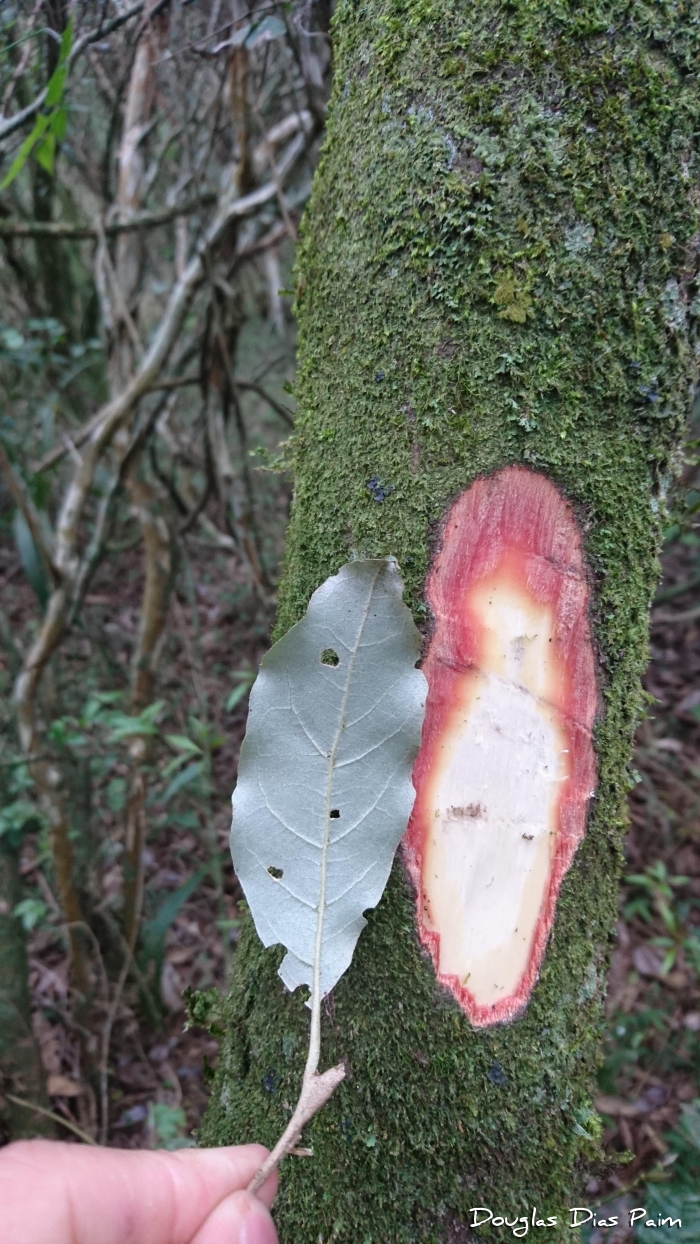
<point>114,1196</point>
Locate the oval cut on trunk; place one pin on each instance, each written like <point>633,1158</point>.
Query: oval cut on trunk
<point>506,766</point>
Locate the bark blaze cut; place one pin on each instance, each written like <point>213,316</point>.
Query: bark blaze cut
<point>506,766</point>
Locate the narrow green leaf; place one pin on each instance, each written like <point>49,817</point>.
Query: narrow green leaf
<point>184,744</point>
<point>66,41</point>
<point>59,121</point>
<point>236,696</point>
<point>31,911</point>
<point>56,87</point>
<point>153,931</point>
<point>184,778</point>
<point>30,558</point>
<point>46,152</point>
<point>123,726</point>
<point>25,150</point>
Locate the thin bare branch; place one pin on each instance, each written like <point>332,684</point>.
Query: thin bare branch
<point>283,411</point>
<point>9,124</point>
<point>104,423</point>
<point>10,227</point>
<point>57,1118</point>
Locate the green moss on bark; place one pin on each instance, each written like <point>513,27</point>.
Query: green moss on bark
<point>497,266</point>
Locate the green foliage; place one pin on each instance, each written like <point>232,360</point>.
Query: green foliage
<point>167,1126</point>
<point>245,679</point>
<point>31,911</point>
<point>155,930</point>
<point>30,558</point>
<point>188,770</point>
<point>51,122</point>
<point>657,895</point>
<point>123,726</point>
<point>204,1010</point>
<point>19,817</point>
<point>677,1197</point>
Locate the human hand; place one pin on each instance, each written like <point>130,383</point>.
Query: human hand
<point>54,1193</point>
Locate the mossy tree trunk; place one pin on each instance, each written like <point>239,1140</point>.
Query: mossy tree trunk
<point>497,267</point>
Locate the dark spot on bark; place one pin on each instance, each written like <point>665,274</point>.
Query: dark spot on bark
<point>380,492</point>
<point>446,349</point>
<point>459,1233</point>
<point>497,1075</point>
<point>469,166</point>
<point>471,812</point>
<point>334,814</point>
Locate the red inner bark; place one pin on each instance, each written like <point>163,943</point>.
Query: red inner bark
<point>516,533</point>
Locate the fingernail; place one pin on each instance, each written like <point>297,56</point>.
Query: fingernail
<point>257,1226</point>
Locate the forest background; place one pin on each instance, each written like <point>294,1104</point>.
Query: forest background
<point>156,158</point>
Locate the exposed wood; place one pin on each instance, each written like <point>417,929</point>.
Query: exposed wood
<point>506,766</point>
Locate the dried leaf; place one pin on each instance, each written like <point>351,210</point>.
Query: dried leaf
<point>62,1086</point>
<point>324,788</point>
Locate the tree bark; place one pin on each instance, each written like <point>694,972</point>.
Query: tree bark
<point>21,1072</point>
<point>496,268</point>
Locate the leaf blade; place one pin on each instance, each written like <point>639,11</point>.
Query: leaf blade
<point>324,790</point>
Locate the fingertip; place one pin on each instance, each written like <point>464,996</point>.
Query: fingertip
<point>257,1226</point>
<point>239,1219</point>
<point>255,1155</point>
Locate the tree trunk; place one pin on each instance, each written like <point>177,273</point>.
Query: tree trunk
<point>496,268</point>
<point>21,1072</point>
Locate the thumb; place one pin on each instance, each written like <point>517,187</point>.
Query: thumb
<point>239,1219</point>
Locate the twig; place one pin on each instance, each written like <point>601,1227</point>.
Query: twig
<point>686,615</point>
<point>283,411</point>
<point>10,227</point>
<point>678,589</point>
<point>51,1114</point>
<point>243,516</point>
<point>9,124</point>
<point>139,977</point>
<point>101,428</point>
<point>23,60</point>
<point>105,1044</point>
<point>315,1089</point>
<point>284,210</point>
<point>315,1092</point>
<point>177,382</point>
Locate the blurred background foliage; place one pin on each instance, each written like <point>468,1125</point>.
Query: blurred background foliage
<point>156,158</point>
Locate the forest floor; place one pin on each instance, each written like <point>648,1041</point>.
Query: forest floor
<point>652,1055</point>
<point>158,1070</point>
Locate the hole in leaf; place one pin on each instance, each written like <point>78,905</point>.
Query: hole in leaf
<point>329,656</point>
<point>276,872</point>
<point>334,814</point>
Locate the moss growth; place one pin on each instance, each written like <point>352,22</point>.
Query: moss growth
<point>497,266</point>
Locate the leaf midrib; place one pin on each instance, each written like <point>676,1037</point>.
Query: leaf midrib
<point>329,783</point>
